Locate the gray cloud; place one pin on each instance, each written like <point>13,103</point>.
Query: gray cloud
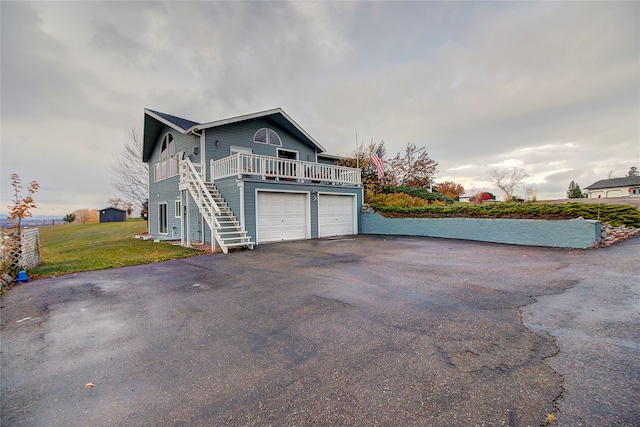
<point>553,87</point>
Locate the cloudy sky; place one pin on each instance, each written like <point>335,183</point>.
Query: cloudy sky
<point>553,87</point>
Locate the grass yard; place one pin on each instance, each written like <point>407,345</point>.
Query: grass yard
<point>83,247</point>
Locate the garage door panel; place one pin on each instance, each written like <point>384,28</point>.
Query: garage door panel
<point>281,216</point>
<point>335,215</point>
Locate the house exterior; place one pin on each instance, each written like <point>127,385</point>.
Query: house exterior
<point>113,215</point>
<point>615,187</point>
<point>244,180</point>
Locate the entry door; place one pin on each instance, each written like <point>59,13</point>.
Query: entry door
<point>281,216</point>
<point>336,215</point>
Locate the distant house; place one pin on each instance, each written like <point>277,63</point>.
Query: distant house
<point>112,215</point>
<point>615,187</point>
<point>466,197</point>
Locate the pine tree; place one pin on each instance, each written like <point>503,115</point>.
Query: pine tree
<point>574,191</point>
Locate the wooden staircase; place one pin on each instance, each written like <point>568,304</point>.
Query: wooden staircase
<point>225,227</point>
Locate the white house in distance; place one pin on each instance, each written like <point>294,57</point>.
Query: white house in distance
<point>615,187</point>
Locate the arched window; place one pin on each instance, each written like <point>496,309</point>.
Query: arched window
<point>168,146</point>
<point>167,165</point>
<point>267,136</point>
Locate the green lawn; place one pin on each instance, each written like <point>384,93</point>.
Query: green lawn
<point>84,247</point>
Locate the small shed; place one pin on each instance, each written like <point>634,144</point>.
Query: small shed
<point>113,215</point>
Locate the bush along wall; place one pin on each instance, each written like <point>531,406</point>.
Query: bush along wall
<point>615,215</point>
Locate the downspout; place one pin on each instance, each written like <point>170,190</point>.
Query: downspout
<point>188,224</point>
<point>182,216</point>
<point>203,164</point>
<point>202,153</point>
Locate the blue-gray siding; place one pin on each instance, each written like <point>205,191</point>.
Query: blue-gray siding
<point>230,190</point>
<point>564,234</point>
<point>241,135</point>
<point>218,143</point>
<point>167,191</point>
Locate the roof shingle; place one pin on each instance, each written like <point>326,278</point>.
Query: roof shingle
<point>615,182</point>
<point>183,124</point>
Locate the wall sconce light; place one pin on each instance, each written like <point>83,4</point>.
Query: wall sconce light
<point>217,143</point>
<point>196,150</point>
<point>308,156</point>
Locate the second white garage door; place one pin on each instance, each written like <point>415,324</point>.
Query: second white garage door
<point>281,216</point>
<point>336,215</point>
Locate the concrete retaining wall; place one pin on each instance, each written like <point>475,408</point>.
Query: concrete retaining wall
<point>571,233</point>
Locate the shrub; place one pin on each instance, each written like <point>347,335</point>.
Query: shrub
<point>613,214</point>
<point>398,200</point>
<point>421,193</point>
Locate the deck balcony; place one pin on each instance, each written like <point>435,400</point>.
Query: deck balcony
<point>273,168</point>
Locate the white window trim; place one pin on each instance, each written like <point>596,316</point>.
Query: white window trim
<point>242,150</point>
<point>166,159</point>
<point>289,151</point>
<point>178,208</point>
<point>166,211</point>
<point>268,141</point>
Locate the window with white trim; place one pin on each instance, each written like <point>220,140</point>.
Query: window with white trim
<point>242,150</point>
<point>163,221</point>
<point>178,209</point>
<point>167,165</point>
<point>267,136</point>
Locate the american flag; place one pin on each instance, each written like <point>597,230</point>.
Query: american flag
<point>376,158</point>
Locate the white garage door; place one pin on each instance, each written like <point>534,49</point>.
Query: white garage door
<point>335,215</point>
<point>281,216</point>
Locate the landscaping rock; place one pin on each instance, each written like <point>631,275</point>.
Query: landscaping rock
<point>611,234</point>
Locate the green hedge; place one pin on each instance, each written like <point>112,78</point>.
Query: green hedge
<point>422,193</point>
<point>613,214</point>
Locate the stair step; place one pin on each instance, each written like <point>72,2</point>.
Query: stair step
<point>232,245</point>
<point>229,232</point>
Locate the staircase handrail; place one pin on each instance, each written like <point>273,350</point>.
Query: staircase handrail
<point>195,176</point>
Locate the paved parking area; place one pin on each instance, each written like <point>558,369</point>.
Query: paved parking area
<point>359,331</point>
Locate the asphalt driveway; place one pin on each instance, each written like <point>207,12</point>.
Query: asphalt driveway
<point>360,331</point>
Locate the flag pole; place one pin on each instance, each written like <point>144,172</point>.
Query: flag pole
<point>357,154</point>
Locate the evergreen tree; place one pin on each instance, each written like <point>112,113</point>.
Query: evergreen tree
<point>574,191</point>
<point>69,218</point>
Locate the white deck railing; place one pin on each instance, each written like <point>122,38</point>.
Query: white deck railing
<point>283,169</point>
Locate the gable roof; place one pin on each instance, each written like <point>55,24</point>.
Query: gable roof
<point>154,121</point>
<point>615,182</point>
<point>182,124</point>
<point>113,209</point>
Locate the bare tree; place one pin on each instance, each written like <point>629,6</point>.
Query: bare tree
<point>130,175</point>
<point>414,169</point>
<point>124,205</point>
<point>361,158</point>
<point>507,179</point>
